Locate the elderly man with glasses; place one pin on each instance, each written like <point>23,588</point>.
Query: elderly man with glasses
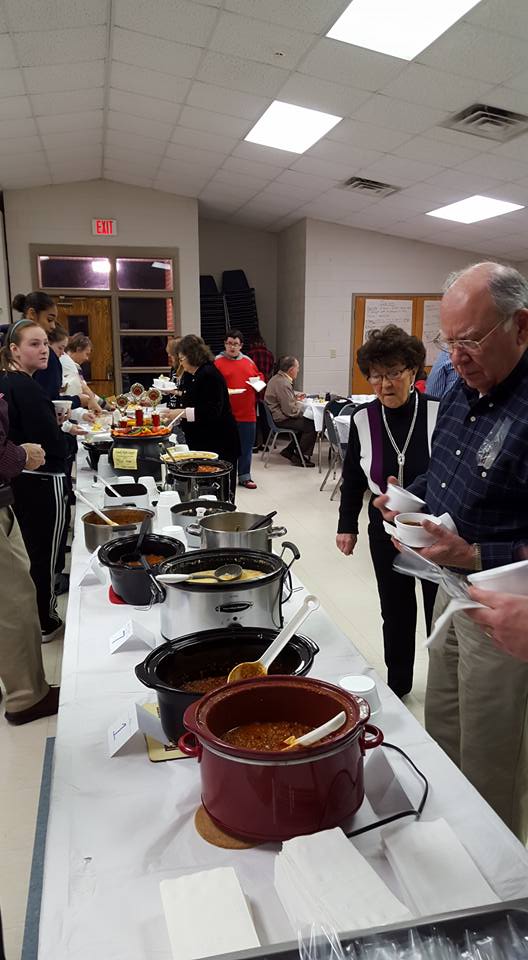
<point>477,696</point>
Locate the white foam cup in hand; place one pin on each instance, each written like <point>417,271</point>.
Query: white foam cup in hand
<point>402,500</point>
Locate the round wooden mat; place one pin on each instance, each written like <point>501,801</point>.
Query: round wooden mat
<point>214,835</point>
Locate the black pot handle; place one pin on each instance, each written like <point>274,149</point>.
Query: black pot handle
<point>312,644</point>
<point>233,607</point>
<point>142,675</point>
<point>287,544</point>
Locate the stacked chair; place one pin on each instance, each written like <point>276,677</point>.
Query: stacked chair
<point>240,302</point>
<point>213,314</point>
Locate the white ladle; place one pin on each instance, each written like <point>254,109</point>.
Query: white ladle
<point>107,486</point>
<point>317,733</point>
<point>80,496</point>
<point>259,668</point>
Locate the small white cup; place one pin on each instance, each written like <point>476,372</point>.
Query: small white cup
<point>363,686</point>
<point>166,500</point>
<point>62,406</point>
<point>150,484</point>
<point>410,530</point>
<point>401,500</point>
<point>177,533</point>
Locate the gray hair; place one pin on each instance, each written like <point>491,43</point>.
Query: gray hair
<point>286,363</point>
<point>508,287</point>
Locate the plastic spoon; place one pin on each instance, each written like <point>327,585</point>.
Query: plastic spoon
<point>80,496</point>
<point>259,668</point>
<point>317,733</point>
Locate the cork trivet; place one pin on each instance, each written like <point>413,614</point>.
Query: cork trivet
<point>214,835</point>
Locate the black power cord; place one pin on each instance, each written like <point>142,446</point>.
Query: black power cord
<point>405,813</point>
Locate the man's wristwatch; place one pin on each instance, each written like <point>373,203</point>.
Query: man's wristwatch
<point>477,556</point>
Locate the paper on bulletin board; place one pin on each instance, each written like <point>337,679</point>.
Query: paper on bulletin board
<point>379,313</point>
<point>125,459</point>
<point>431,326</point>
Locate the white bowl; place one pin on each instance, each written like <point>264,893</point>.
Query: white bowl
<point>402,500</point>
<point>62,406</point>
<point>409,529</point>
<point>512,578</point>
<point>365,687</point>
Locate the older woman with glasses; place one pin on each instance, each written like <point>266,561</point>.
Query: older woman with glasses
<point>389,437</point>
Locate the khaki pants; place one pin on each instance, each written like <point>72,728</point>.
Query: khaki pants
<point>476,709</point>
<point>21,667</point>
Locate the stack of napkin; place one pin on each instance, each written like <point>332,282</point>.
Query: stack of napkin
<point>207,914</point>
<point>322,877</point>
<point>434,870</point>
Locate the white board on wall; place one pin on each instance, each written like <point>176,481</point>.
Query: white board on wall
<point>380,313</point>
<point>431,326</point>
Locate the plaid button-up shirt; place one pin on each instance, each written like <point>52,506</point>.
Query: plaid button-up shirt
<point>478,470</point>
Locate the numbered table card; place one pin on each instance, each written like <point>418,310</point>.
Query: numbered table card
<point>93,572</point>
<point>134,719</point>
<point>131,635</point>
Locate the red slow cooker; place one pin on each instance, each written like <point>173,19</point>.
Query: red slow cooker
<point>266,796</point>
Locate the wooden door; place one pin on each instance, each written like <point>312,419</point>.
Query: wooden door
<point>93,317</point>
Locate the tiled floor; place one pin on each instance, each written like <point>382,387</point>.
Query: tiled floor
<point>346,587</point>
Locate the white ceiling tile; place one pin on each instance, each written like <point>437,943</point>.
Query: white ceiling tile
<point>482,144</point>
<point>373,217</point>
<point>466,184</point>
<point>397,114</point>
<point>519,81</point>
<point>12,108</point>
<point>146,128</point>
<point>229,102</point>
<point>301,194</point>
<point>134,104</point>
<point>312,15</point>
<point>490,165</point>
<point>506,16</point>
<point>201,140</point>
<point>191,171</point>
<point>470,51</point>
<point>367,135</point>
<point>177,59</point>
<point>17,128</point>
<point>513,193</point>
<point>131,178</point>
<point>435,88</point>
<point>26,15</point>
<point>133,169</point>
<point>8,58</point>
<point>4,28</point>
<point>250,218</point>
<point>507,99</point>
<point>406,204</point>
<point>224,207</point>
<point>233,178</point>
<point>150,83</point>
<point>61,46</point>
<point>24,162</point>
<point>185,185</point>
<point>60,77</point>
<point>343,153</point>
<point>87,171</point>
<point>11,83</point>
<point>246,76</point>
<point>324,168</point>
<point>131,141</point>
<point>260,41</point>
<point>202,158</point>
<point>349,65</point>
<point>434,151</point>
<point>179,188</point>
<point>228,193</point>
<point>317,94</point>
<point>433,195</point>
<point>170,19</point>
<point>278,226</point>
<point>70,122</point>
<point>216,123</point>
<point>342,202</point>
<point>57,141</point>
<point>300,181</point>
<point>148,161</point>
<point>254,151</point>
<point>76,153</point>
<point>277,206</point>
<point>399,171</point>
<point>70,101</point>
<point>242,165</point>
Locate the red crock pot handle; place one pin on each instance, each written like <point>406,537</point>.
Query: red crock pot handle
<point>189,745</point>
<point>375,738</point>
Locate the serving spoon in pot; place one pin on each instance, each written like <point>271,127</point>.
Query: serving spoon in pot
<point>224,574</point>
<point>263,521</point>
<point>80,496</point>
<point>259,668</point>
<point>136,554</point>
<point>317,733</point>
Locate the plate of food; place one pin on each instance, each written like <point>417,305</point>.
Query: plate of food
<point>143,432</point>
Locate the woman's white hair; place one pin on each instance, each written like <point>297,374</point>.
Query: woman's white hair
<point>508,287</point>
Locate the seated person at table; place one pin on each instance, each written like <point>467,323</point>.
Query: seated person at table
<point>286,409</point>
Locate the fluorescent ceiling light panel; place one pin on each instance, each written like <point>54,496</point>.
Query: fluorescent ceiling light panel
<point>473,209</point>
<point>400,28</point>
<point>287,127</point>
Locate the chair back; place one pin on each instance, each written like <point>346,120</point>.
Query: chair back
<point>348,409</point>
<point>269,419</point>
<point>329,428</point>
<point>335,405</point>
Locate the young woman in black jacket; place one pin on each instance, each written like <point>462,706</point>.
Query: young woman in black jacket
<point>40,495</point>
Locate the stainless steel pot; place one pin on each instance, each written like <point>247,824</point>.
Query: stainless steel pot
<point>187,513</point>
<point>232,530</point>
<point>97,533</point>
<point>190,484</point>
<point>193,607</point>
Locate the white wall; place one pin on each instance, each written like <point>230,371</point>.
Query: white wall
<point>5,311</point>
<point>63,215</point>
<point>225,246</point>
<point>342,261</point>
<point>291,281</point>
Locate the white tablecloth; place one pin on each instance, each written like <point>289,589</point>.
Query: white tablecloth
<point>313,410</point>
<point>342,424</point>
<point>119,826</point>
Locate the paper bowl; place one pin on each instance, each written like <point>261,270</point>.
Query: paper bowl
<point>401,500</point>
<point>411,535</point>
<point>512,578</point>
<point>62,406</point>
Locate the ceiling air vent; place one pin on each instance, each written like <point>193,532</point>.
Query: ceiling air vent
<point>370,188</point>
<point>493,123</point>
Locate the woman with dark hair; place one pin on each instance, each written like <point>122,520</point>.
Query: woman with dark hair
<point>209,423</point>
<point>389,437</point>
<point>40,495</point>
<point>176,373</point>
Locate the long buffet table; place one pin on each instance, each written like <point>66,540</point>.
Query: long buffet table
<point>118,826</point>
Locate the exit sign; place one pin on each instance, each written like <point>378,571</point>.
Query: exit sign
<point>104,228</point>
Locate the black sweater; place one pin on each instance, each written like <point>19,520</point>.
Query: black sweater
<point>214,426</point>
<point>32,419</point>
<point>371,466</point>
<point>50,379</point>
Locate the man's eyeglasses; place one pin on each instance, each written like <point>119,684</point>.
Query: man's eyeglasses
<point>470,346</point>
<point>376,378</point>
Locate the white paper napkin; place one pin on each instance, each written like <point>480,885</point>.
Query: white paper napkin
<point>323,877</point>
<point>207,914</point>
<point>434,869</point>
<point>441,625</point>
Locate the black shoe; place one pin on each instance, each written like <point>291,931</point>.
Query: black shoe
<point>47,707</point>
<point>288,454</point>
<point>52,630</point>
<point>297,462</point>
<point>62,583</point>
